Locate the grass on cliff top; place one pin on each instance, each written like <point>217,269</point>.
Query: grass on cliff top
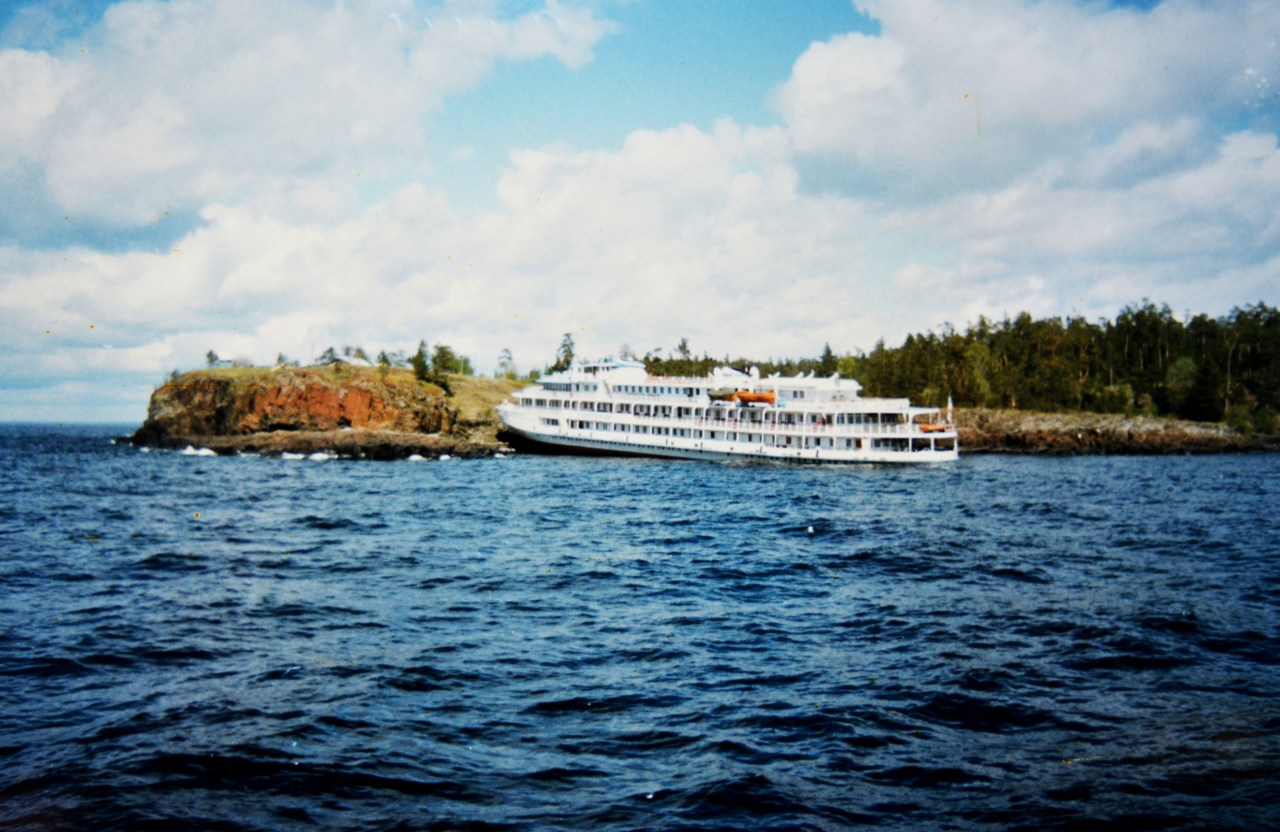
<point>473,396</point>
<point>476,396</point>
<point>338,375</point>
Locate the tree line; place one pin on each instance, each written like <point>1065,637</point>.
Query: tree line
<point>1144,361</point>
<point>434,366</point>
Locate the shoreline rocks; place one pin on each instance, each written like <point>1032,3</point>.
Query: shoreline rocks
<point>1011,431</point>
<point>344,443</point>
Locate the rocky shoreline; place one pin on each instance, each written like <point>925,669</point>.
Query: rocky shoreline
<point>367,413</point>
<point>346,443</point>
<point>1013,431</point>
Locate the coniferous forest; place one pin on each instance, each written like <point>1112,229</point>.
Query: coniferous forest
<point>1145,361</point>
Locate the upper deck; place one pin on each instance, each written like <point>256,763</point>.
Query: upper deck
<point>626,380</point>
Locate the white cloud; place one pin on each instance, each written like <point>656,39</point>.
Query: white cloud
<point>962,95</point>
<point>174,105</point>
<point>31,86</point>
<point>678,232</point>
<point>1096,247</point>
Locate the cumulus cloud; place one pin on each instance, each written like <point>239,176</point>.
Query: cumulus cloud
<point>1092,248</point>
<point>957,95</point>
<point>173,105</point>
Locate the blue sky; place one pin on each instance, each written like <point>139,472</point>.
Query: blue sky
<point>259,177</point>
<point>668,63</point>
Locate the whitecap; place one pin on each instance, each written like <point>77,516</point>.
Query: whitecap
<point>291,455</point>
<point>443,457</point>
<point>321,456</point>
<point>416,458</point>
<point>193,451</point>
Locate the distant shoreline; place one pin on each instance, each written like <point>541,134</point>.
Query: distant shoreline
<point>360,413</point>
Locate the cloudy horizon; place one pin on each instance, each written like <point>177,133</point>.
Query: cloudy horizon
<point>257,177</point>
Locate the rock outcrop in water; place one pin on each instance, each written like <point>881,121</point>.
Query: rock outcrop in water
<point>352,411</point>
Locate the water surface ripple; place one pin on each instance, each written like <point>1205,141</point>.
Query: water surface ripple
<point>248,643</point>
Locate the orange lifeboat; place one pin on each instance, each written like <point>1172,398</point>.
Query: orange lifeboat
<point>748,397</point>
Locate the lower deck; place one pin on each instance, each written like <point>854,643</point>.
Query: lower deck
<point>817,449</point>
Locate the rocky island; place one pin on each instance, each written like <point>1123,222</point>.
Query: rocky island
<point>353,411</point>
<point>388,413</point>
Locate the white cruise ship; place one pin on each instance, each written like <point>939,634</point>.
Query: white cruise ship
<point>616,407</point>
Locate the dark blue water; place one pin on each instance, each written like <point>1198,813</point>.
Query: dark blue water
<point>558,643</point>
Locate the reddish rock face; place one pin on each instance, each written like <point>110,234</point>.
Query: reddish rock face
<point>200,404</point>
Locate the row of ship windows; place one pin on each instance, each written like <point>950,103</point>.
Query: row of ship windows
<point>717,414</point>
<point>808,442</point>
<point>638,389</point>
<point>647,390</point>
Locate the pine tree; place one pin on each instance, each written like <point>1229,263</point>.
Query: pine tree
<point>564,355</point>
<point>418,361</point>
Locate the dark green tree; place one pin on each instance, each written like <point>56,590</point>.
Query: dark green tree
<point>444,360</point>
<point>420,363</point>
<point>827,364</point>
<point>564,355</point>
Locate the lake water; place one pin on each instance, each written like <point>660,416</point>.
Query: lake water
<point>1008,642</point>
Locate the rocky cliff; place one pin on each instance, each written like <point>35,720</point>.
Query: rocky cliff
<point>353,410</point>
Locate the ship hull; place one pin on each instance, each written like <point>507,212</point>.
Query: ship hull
<point>533,442</point>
